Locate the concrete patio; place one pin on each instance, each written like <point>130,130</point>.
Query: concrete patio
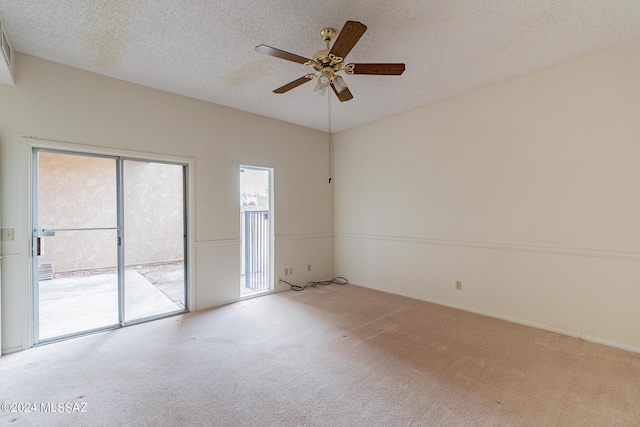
<point>82,301</point>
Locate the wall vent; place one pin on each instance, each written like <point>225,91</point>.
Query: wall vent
<point>6,58</point>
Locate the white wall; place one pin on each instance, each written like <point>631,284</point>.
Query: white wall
<point>526,191</point>
<point>56,102</point>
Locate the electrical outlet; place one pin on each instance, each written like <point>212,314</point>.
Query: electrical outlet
<point>308,267</point>
<point>279,280</point>
<point>7,233</point>
<point>286,271</point>
<point>458,285</point>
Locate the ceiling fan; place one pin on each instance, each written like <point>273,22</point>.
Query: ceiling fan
<point>330,61</point>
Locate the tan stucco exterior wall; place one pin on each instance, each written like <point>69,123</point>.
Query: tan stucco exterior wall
<point>80,192</point>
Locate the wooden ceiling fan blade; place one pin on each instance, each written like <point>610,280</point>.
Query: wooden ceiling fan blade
<point>379,69</point>
<point>347,39</point>
<point>292,85</point>
<point>343,96</point>
<point>272,51</point>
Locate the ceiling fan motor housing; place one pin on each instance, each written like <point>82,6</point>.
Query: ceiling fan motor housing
<point>322,56</point>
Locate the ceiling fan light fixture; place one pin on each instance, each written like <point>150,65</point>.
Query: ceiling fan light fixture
<point>339,84</point>
<point>320,90</point>
<point>324,80</point>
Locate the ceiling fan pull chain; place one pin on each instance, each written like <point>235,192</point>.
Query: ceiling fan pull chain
<point>330,141</point>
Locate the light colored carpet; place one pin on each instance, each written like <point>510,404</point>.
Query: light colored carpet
<point>328,356</point>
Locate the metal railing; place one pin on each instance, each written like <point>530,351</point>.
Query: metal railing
<point>255,249</point>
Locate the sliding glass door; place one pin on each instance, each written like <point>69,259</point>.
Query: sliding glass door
<point>154,239</point>
<point>76,245</point>
<point>109,242</point>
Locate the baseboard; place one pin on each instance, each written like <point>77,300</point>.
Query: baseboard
<point>610,343</point>
<point>12,350</point>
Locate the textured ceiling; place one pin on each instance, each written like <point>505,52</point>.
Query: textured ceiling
<point>205,48</point>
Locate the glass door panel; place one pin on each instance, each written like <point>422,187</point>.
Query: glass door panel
<point>75,241</point>
<point>255,230</point>
<point>154,267</point>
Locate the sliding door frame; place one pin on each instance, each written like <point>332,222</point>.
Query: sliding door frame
<point>120,156</point>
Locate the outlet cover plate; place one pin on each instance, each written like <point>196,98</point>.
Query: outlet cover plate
<point>7,234</point>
